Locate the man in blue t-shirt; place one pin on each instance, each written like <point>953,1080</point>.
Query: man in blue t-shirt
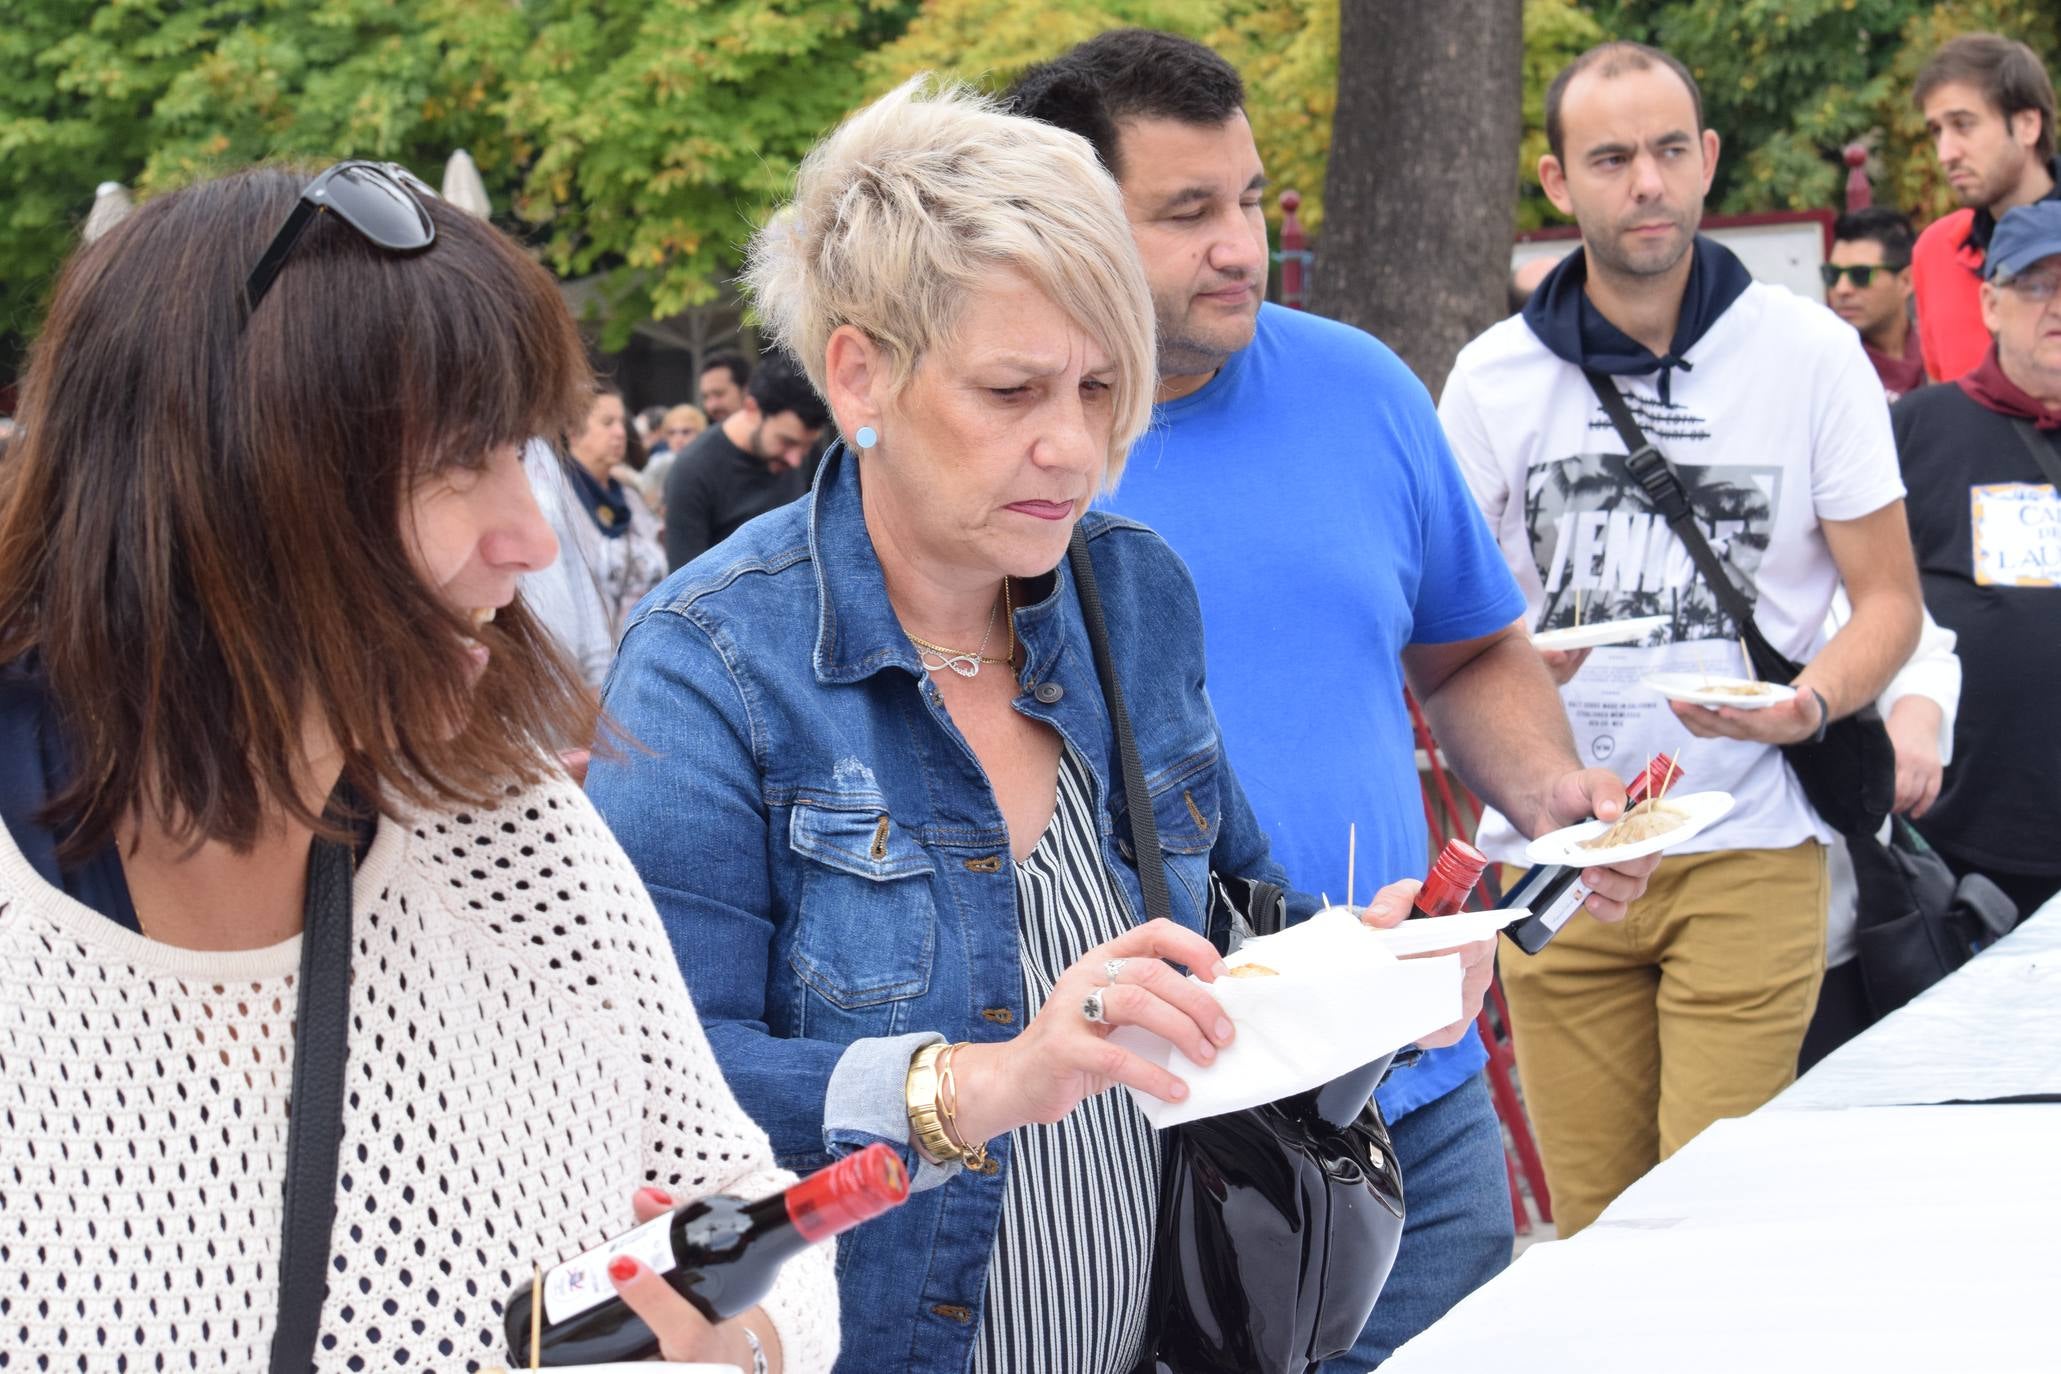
<point>1299,468</point>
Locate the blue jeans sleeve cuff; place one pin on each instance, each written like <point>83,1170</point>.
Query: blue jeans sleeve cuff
<point>868,1103</point>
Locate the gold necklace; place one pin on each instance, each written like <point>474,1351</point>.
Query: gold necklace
<point>966,662</point>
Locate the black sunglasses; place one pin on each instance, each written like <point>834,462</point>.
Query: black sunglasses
<point>1859,275</point>
<point>381,200</point>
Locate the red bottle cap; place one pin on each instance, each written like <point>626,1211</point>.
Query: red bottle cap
<point>1452,877</point>
<point>857,1188</point>
<point>1657,778</point>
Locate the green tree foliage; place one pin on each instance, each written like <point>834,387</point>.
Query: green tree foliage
<point>643,142</point>
<point>1287,51</point>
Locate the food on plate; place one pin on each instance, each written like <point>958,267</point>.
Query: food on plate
<point>1252,971</point>
<point>1739,689</point>
<point>1643,822</point>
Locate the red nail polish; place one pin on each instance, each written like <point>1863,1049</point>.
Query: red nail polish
<point>659,1196</point>
<point>622,1269</point>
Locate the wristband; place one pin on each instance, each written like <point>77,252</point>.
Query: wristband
<point>1824,715</point>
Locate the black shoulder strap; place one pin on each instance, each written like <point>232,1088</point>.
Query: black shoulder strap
<point>1663,488</point>
<point>1137,800</point>
<point>314,1130</point>
<point>2042,451</point>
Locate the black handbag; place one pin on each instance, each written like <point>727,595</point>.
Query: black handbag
<point>1849,775</point>
<point>1278,1225</point>
<point>1915,922</point>
<point>314,1128</point>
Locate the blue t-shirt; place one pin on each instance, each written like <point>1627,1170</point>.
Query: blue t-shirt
<point>1310,490</point>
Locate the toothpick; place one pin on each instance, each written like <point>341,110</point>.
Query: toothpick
<point>1352,844</point>
<point>1746,654</point>
<point>1325,898</point>
<point>536,1312</point>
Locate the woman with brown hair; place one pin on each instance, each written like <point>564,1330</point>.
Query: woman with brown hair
<point>265,669</point>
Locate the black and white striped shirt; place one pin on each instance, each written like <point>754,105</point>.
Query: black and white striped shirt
<point>1072,1269</point>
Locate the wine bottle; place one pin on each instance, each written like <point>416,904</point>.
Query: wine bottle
<point>1452,877</point>
<point>1554,892</point>
<point>721,1253</point>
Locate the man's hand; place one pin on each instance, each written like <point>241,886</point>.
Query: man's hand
<point>1599,792</point>
<point>1563,664</point>
<point>1786,722</point>
<point>1390,907</point>
<point>1914,733</point>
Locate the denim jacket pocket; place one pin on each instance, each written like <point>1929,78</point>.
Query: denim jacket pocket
<point>867,929</point>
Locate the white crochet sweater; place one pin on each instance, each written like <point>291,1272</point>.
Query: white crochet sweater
<point>523,1056</point>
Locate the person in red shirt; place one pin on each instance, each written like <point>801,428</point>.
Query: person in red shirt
<point>1989,110</point>
<point>1868,284</point>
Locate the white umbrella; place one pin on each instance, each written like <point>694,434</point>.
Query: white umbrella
<point>111,205</point>
<point>463,187</point>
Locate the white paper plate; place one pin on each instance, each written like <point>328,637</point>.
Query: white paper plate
<point>1704,810</point>
<point>1432,934</point>
<point>1598,633</point>
<point>1697,690</point>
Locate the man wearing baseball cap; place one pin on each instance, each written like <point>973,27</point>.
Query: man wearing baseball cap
<point>1981,461</point>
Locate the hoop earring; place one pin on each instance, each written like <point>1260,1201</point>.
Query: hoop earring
<point>867,436</point>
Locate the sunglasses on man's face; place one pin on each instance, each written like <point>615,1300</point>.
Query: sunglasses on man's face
<point>1859,275</point>
<point>381,200</point>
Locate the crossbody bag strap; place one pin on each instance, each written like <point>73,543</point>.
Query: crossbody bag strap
<point>1137,799</point>
<point>1663,488</point>
<point>314,1130</point>
<point>2042,452</point>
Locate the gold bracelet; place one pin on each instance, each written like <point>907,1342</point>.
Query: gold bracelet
<point>976,1156</point>
<point>921,1090</point>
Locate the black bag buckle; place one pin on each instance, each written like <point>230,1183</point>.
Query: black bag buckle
<point>1662,487</point>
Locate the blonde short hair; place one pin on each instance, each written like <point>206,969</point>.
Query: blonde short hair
<point>902,213</point>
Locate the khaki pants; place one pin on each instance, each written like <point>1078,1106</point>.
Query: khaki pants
<point>1631,1038</point>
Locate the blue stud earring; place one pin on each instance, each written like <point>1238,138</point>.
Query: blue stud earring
<point>867,436</point>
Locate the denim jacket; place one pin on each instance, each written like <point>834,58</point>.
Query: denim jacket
<point>835,872</point>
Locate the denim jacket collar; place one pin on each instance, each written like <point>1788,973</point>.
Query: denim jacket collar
<point>859,634</point>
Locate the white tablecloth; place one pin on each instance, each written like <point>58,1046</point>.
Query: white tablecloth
<point>1831,1230</point>
<point>1991,1031</point>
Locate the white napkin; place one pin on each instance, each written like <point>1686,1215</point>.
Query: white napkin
<point>1340,1001</point>
<point>1430,934</point>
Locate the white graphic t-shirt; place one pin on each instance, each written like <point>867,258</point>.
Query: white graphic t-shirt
<point>1775,423</point>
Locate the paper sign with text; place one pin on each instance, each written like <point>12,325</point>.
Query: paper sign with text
<point>2017,529</point>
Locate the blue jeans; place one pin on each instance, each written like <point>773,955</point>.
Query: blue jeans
<point>1458,1232</point>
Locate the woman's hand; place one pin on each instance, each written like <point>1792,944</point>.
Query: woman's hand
<point>1390,907</point>
<point>1062,1058</point>
<point>684,1335</point>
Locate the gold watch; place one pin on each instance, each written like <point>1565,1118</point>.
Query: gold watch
<point>924,1118</point>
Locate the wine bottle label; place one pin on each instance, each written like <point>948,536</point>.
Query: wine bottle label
<point>1563,907</point>
<point>582,1282</point>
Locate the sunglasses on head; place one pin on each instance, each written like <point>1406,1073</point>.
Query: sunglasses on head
<point>381,200</point>
<point>1860,276</point>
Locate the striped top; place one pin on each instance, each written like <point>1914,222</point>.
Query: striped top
<point>1071,1273</point>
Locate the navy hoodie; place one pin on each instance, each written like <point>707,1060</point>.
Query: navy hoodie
<point>1560,314</point>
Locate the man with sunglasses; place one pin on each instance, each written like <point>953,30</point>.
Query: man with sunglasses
<point>1868,284</point>
<point>1981,461</point>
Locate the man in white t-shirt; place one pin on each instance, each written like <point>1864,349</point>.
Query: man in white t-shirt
<point>1632,1038</point>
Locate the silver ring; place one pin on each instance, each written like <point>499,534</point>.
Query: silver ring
<point>1091,1007</point>
<point>1113,967</point>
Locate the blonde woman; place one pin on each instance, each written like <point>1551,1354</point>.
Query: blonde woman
<point>880,707</point>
